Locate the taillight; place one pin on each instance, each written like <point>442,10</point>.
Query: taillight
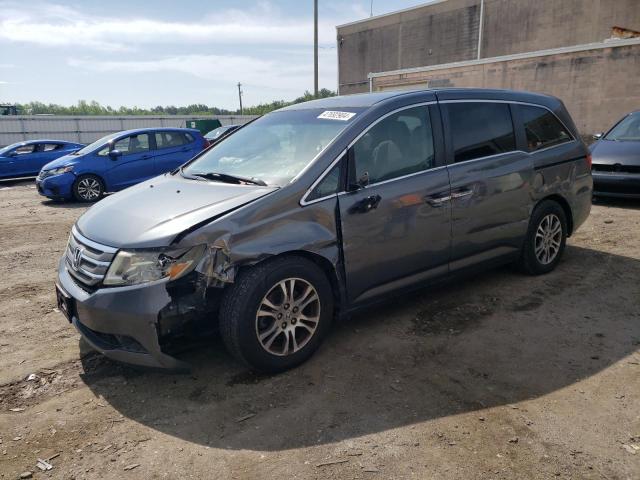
<point>588,160</point>
<point>207,144</point>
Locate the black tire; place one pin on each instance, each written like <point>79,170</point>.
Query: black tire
<point>530,262</point>
<point>88,188</point>
<point>239,323</point>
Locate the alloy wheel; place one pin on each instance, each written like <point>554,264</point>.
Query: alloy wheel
<point>89,188</point>
<point>288,316</point>
<point>548,239</point>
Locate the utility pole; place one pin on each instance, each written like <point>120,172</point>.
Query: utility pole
<point>315,47</point>
<point>371,14</point>
<point>240,96</point>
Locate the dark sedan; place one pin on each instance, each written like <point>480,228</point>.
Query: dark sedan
<point>616,159</point>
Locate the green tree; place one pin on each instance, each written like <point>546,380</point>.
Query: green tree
<point>92,107</point>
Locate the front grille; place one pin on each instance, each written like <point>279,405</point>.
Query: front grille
<point>87,261</point>
<point>616,168</point>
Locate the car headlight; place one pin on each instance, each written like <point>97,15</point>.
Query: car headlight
<point>58,171</point>
<point>132,267</point>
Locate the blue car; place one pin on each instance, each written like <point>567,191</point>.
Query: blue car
<point>25,159</point>
<point>118,161</point>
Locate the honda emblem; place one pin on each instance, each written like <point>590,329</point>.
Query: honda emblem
<point>77,258</point>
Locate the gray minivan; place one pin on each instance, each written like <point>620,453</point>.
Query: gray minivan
<point>318,209</point>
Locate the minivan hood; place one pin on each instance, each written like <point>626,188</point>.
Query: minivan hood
<point>152,213</point>
<point>610,152</point>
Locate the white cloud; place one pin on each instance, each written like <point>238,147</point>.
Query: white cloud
<point>265,47</point>
<point>54,26</point>
<point>282,74</point>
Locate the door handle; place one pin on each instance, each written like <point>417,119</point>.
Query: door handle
<point>461,194</point>
<point>185,149</point>
<point>146,156</point>
<point>437,200</point>
<point>366,204</point>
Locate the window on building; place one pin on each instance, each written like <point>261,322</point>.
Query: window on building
<point>542,128</point>
<point>480,129</point>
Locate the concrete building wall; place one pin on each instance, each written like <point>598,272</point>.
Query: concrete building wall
<point>597,86</point>
<point>440,33</point>
<point>447,31</point>
<point>518,26</point>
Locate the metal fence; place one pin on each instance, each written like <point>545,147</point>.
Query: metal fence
<point>86,129</point>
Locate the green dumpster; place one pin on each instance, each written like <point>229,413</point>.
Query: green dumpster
<point>205,126</point>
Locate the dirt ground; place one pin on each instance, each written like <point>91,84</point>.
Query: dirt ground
<point>499,376</point>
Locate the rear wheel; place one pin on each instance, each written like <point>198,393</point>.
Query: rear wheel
<point>88,188</point>
<point>546,239</point>
<point>276,314</point>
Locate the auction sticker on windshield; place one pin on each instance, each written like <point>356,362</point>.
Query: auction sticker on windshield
<point>335,115</point>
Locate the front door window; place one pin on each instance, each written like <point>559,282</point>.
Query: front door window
<point>133,144</point>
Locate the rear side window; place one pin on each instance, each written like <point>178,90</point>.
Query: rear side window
<point>47,147</point>
<point>542,128</point>
<point>189,137</point>
<point>171,139</point>
<point>398,145</point>
<point>480,129</point>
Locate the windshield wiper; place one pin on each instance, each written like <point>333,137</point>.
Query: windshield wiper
<point>227,178</point>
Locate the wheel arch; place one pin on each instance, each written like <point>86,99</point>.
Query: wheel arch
<point>566,207</point>
<point>92,174</point>
<point>329,269</point>
<point>82,175</point>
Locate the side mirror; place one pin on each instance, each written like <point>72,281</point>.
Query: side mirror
<point>598,136</point>
<point>361,182</point>
<point>115,154</point>
<point>12,154</point>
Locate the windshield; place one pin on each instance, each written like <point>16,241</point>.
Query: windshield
<point>276,147</point>
<point>628,130</point>
<point>98,143</point>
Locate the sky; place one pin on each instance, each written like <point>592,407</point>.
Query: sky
<point>168,52</point>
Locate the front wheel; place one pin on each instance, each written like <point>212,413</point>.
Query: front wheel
<point>88,188</point>
<point>276,314</point>
<point>546,239</point>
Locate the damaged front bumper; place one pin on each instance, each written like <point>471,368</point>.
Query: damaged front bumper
<point>132,323</point>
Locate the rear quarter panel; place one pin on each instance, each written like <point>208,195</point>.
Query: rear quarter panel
<point>563,171</point>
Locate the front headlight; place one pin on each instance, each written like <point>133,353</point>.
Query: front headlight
<point>59,171</point>
<point>131,267</point>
